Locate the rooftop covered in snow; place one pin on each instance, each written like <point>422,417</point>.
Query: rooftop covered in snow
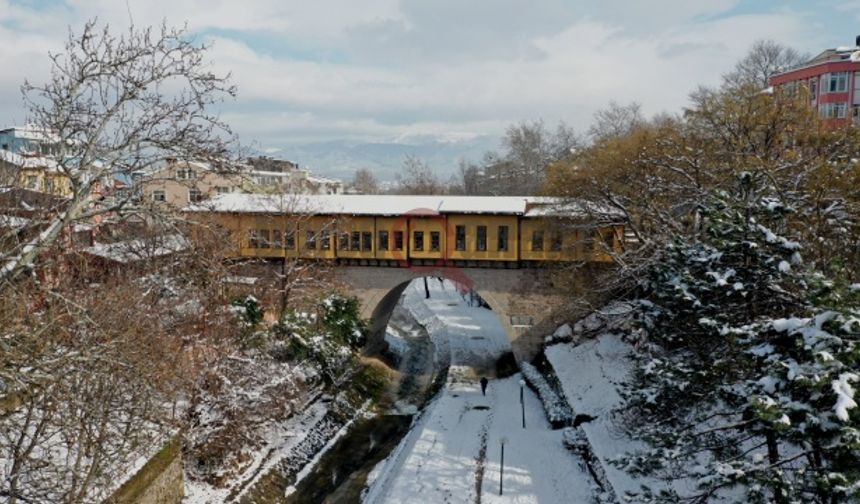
<point>352,204</point>
<point>37,162</point>
<point>135,250</point>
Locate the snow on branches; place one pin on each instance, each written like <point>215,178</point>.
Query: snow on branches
<point>746,382</point>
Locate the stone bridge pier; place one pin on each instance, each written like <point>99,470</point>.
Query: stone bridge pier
<point>524,299</point>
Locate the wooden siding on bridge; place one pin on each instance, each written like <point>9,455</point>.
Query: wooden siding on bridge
<point>422,231</point>
<point>355,246</point>
<point>392,226</point>
<point>544,240</point>
<point>322,237</point>
<point>470,250</point>
<point>316,237</point>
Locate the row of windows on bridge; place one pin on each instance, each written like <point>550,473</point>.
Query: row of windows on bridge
<point>363,240</point>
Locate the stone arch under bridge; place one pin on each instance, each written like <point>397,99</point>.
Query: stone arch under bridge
<point>523,299</point>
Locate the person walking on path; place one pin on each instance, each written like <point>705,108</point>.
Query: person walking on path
<point>484,383</point>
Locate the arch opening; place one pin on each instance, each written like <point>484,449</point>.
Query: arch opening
<point>464,328</point>
<point>521,299</point>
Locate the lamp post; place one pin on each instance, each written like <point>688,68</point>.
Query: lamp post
<point>522,401</point>
<point>502,442</point>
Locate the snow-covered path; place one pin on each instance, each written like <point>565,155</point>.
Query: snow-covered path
<point>452,453</point>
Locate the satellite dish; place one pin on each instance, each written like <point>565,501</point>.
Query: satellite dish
<point>855,57</point>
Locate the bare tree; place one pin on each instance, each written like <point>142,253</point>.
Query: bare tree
<point>118,104</point>
<point>616,121</point>
<point>365,182</point>
<point>520,168</point>
<point>418,178</point>
<point>88,371</point>
<point>764,59</point>
<point>87,367</point>
<point>470,178</point>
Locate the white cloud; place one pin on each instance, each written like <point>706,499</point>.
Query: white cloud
<point>450,69</point>
<point>583,67</point>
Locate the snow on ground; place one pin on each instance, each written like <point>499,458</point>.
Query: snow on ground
<point>453,450</point>
<point>537,466</point>
<point>280,440</point>
<point>441,457</point>
<point>464,335</point>
<point>590,373</point>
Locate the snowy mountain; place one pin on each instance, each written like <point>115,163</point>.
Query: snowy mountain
<point>340,158</point>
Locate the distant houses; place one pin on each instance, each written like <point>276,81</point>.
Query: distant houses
<point>179,183</point>
<point>31,158</point>
<point>36,186</point>
<point>28,160</point>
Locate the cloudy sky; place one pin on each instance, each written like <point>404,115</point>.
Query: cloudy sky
<point>394,70</point>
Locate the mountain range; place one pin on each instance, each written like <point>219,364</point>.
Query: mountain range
<point>341,158</point>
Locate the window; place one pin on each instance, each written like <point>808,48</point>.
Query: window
<point>32,182</point>
<point>185,174</point>
<point>398,240</point>
<point>263,235</point>
<point>277,243</point>
<point>310,240</point>
<point>588,244</point>
<point>344,241</point>
<point>813,89</point>
<point>356,241</point>
<point>158,196</point>
<point>222,190</point>
<point>460,237</point>
<point>537,241</point>
<point>367,240</point>
<point>290,240</point>
<point>325,240</point>
<point>253,239</point>
<point>383,240</point>
<point>194,195</point>
<point>503,238</point>
<point>833,110</point>
<point>609,239</point>
<point>434,241</point>
<point>836,82</point>
<point>49,185</point>
<point>481,243</point>
<point>418,240</point>
<point>555,244</point>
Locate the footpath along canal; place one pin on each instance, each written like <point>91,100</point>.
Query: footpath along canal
<point>424,338</point>
<point>439,437</point>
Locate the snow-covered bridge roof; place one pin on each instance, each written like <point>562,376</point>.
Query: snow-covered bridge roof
<point>350,204</point>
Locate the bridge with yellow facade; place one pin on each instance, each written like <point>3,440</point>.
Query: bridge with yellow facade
<point>502,247</point>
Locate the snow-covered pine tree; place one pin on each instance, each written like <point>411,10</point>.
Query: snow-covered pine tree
<point>746,389</point>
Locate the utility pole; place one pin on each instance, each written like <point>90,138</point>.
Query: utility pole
<point>522,401</point>
<point>502,442</point>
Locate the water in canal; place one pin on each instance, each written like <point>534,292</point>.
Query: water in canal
<point>341,473</point>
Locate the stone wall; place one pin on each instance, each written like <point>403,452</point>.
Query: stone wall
<point>524,299</point>
<point>160,481</point>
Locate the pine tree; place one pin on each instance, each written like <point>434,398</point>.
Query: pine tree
<point>746,389</point>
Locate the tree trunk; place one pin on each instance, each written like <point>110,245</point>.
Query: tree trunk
<point>285,294</point>
<point>773,458</point>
